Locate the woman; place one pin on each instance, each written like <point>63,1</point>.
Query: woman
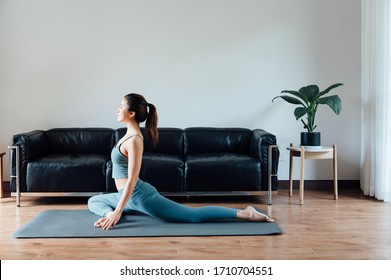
<point>134,194</point>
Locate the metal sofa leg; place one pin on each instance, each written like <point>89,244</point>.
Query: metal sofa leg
<point>17,175</point>
<point>270,175</point>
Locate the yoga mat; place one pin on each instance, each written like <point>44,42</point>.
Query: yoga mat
<point>79,223</point>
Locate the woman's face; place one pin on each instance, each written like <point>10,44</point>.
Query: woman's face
<point>123,113</point>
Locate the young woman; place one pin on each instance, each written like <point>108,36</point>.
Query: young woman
<point>134,194</point>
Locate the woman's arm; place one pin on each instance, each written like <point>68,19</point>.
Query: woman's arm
<point>133,149</point>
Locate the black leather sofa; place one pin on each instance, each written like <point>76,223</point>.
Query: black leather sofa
<point>196,160</point>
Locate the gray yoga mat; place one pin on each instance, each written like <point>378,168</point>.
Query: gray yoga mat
<point>79,223</point>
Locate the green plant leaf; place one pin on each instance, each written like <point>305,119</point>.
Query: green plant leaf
<point>289,99</point>
<point>330,88</point>
<point>299,112</point>
<point>333,101</point>
<point>298,95</point>
<point>311,91</point>
<point>309,97</point>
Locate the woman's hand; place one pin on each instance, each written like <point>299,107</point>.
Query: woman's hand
<point>109,221</point>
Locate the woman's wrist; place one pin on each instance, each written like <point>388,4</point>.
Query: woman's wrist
<point>118,210</point>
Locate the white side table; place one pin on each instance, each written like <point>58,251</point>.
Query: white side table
<point>311,153</point>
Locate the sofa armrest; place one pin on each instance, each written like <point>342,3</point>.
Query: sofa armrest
<point>259,149</point>
<point>259,144</point>
<point>31,145</point>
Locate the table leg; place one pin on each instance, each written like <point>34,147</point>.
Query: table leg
<point>335,172</point>
<point>302,158</point>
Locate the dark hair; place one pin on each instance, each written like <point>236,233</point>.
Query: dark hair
<point>140,106</point>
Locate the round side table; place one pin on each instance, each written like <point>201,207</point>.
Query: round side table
<point>311,153</point>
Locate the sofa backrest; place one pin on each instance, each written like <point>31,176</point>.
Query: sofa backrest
<point>170,141</point>
<point>217,140</point>
<point>80,140</point>
<point>175,141</point>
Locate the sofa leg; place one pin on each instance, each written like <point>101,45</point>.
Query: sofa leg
<point>17,175</point>
<point>270,175</point>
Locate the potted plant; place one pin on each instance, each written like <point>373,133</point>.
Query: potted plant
<point>308,98</point>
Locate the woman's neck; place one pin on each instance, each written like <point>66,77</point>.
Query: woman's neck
<point>132,128</point>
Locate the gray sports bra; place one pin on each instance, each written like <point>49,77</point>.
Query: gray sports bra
<point>120,162</point>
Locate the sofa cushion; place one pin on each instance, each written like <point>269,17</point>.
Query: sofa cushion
<point>222,172</point>
<point>80,140</point>
<point>163,171</point>
<point>67,173</point>
<point>217,140</point>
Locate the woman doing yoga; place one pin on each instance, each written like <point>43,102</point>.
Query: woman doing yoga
<point>133,193</point>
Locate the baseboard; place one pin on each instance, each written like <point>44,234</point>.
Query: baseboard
<point>321,184</point>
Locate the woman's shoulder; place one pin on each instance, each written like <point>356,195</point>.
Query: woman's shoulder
<point>134,140</point>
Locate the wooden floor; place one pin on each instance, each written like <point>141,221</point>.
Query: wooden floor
<point>354,227</point>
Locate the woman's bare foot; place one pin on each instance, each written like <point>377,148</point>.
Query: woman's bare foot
<point>250,214</point>
<point>99,222</point>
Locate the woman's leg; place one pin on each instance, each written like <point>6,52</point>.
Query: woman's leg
<point>102,204</point>
<point>158,206</point>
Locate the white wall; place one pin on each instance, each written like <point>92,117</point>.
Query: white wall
<point>68,63</point>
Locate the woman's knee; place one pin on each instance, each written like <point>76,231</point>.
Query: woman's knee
<point>92,201</point>
<point>96,200</point>
<point>99,205</point>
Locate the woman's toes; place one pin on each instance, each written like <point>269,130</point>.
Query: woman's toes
<point>99,222</point>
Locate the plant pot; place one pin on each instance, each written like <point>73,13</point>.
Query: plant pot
<point>310,139</point>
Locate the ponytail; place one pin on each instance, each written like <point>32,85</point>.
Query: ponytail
<point>140,106</point>
<point>151,124</point>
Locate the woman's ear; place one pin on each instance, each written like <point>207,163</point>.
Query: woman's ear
<point>132,114</point>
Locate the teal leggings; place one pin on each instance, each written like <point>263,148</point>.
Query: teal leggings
<point>146,199</point>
